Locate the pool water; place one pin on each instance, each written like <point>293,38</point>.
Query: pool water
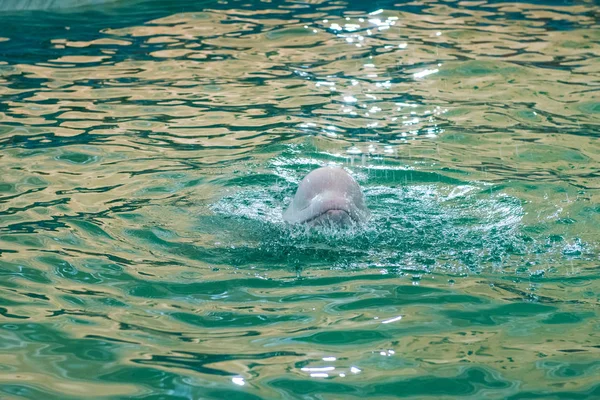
<point>148,149</point>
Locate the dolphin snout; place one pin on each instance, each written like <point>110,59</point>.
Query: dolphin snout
<point>334,218</point>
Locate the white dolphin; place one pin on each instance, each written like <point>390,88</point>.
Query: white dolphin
<point>327,196</point>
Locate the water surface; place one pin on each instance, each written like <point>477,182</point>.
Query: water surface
<point>149,147</point>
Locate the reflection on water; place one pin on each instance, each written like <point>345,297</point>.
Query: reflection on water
<point>149,147</point>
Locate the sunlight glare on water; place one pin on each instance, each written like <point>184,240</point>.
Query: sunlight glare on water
<point>150,147</point>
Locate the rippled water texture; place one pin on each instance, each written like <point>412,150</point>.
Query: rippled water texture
<point>149,147</point>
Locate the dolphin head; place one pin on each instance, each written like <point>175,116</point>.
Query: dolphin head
<point>327,196</point>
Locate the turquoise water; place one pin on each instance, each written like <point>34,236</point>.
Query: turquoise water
<point>149,147</point>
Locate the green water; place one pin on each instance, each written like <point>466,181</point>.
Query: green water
<point>149,147</point>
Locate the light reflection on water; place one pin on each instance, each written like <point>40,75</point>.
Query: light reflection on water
<point>148,149</point>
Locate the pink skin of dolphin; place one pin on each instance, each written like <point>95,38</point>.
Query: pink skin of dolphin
<point>327,196</point>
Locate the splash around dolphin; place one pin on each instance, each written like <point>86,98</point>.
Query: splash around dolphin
<point>327,196</point>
